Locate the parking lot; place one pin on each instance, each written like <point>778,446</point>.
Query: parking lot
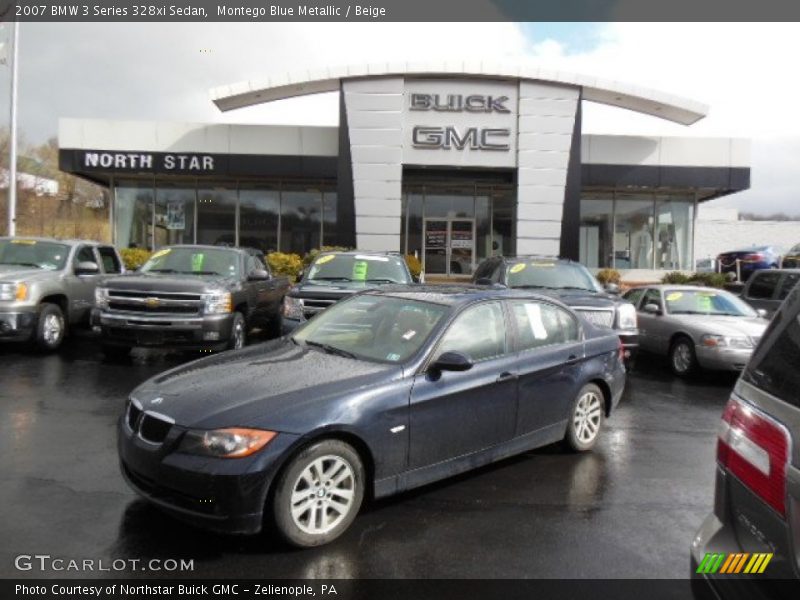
<point>627,509</point>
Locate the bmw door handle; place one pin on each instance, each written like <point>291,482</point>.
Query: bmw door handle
<point>506,376</point>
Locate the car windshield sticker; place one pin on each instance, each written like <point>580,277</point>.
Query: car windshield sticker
<point>325,259</point>
<point>517,268</point>
<point>24,242</point>
<point>393,356</point>
<point>373,258</point>
<point>359,270</point>
<point>197,262</point>
<point>534,313</point>
<point>704,303</point>
<point>409,334</point>
<point>161,253</point>
<point>674,296</point>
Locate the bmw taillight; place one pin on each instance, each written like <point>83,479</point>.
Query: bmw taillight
<point>755,449</point>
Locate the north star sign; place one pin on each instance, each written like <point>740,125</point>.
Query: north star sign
<point>447,137</point>
<point>138,161</point>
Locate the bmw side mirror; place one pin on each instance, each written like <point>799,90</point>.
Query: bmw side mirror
<point>453,361</point>
<point>652,308</point>
<point>612,288</point>
<point>258,275</point>
<point>87,267</point>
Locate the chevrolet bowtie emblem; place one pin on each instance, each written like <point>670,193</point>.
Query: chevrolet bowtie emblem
<point>152,302</point>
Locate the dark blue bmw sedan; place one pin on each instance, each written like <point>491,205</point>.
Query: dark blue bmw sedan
<point>383,392</point>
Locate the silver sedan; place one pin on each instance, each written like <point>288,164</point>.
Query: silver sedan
<point>696,327</point>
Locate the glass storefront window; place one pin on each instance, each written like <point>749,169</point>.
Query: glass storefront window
<point>133,214</point>
<point>597,231</point>
<point>301,219</point>
<point>330,201</point>
<point>259,208</point>
<point>175,213</point>
<point>633,232</point>
<point>216,214</point>
<point>674,232</point>
<point>503,217</point>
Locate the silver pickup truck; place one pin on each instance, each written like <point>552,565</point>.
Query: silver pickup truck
<point>47,286</point>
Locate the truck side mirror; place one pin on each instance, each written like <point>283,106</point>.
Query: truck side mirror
<point>258,275</point>
<point>87,267</point>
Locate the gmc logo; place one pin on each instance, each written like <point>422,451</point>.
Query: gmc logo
<point>476,103</point>
<point>474,138</point>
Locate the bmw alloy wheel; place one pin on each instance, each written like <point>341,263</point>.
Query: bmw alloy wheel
<point>323,495</point>
<point>587,417</point>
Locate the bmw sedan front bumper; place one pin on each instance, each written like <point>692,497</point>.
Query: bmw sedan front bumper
<point>226,495</point>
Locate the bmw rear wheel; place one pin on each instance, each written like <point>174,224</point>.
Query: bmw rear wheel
<point>586,419</point>
<point>319,494</point>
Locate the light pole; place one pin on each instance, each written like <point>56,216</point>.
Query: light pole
<point>12,155</point>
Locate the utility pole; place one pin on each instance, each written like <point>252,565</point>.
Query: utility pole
<point>12,157</point>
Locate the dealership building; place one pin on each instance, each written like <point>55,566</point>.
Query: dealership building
<point>452,162</point>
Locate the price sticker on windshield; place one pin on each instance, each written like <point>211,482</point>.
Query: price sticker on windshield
<point>325,259</point>
<point>674,296</point>
<point>24,242</point>
<point>517,268</point>
<point>543,264</point>
<point>197,261</point>
<point>360,270</point>
<point>161,253</point>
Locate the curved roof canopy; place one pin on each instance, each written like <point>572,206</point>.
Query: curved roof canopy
<point>614,93</point>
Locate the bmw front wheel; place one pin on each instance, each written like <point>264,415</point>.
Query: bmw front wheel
<point>319,494</point>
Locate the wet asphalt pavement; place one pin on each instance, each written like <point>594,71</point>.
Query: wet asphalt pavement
<point>627,509</point>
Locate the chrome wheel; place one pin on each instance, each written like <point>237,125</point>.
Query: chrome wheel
<point>52,329</point>
<point>323,495</point>
<point>682,358</point>
<point>587,417</point>
<point>238,335</point>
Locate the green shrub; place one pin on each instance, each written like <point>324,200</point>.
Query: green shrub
<point>675,278</point>
<point>133,258</point>
<point>312,254</point>
<point>717,280</point>
<point>413,265</point>
<point>606,276</point>
<point>288,265</point>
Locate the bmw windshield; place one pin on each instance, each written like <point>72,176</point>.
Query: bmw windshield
<point>370,327</point>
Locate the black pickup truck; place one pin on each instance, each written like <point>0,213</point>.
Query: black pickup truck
<point>190,297</point>
<point>336,275</point>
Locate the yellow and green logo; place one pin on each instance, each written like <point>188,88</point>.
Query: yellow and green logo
<point>721,562</point>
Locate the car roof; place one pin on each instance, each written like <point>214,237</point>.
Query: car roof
<point>677,286</point>
<point>551,258</point>
<point>454,295</point>
<point>207,247</point>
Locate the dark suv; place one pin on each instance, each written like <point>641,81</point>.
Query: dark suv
<point>752,536</point>
<point>571,283</point>
<point>768,289</point>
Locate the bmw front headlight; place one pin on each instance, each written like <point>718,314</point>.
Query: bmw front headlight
<point>232,442</point>
<point>101,297</point>
<point>293,308</point>
<point>724,341</point>
<point>13,292</point>
<point>218,303</point>
<point>626,316</point>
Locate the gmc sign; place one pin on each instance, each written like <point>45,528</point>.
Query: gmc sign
<point>474,138</point>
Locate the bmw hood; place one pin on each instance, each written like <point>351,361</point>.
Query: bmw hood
<point>271,386</point>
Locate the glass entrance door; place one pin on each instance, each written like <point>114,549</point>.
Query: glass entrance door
<point>449,246</point>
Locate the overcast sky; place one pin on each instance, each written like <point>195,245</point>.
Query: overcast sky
<point>164,71</point>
